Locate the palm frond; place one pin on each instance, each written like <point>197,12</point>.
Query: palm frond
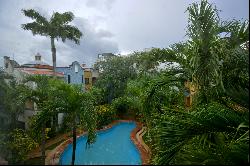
<point>59,19</point>
<point>178,129</point>
<point>70,32</point>
<point>36,16</point>
<point>239,95</point>
<point>36,28</point>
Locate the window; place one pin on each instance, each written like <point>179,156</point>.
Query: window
<point>82,78</point>
<point>76,68</point>
<point>68,79</point>
<point>93,80</point>
<point>38,58</point>
<point>86,80</point>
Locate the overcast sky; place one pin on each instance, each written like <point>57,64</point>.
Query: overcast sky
<point>117,26</point>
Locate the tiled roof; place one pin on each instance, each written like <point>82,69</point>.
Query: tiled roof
<point>36,62</point>
<point>42,72</point>
<point>38,66</point>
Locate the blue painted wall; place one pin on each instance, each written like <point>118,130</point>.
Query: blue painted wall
<point>75,77</point>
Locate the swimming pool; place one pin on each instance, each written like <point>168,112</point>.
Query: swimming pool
<point>112,146</point>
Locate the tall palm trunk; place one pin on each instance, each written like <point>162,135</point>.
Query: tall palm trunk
<point>53,49</point>
<point>74,141</point>
<point>43,145</point>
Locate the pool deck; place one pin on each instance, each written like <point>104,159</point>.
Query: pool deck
<point>136,136</point>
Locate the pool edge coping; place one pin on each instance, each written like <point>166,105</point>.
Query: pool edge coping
<point>53,156</point>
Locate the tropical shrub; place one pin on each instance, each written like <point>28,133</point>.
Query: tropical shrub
<point>124,107</point>
<point>65,126</point>
<point>3,139</point>
<point>105,115</point>
<point>19,144</point>
<point>120,105</point>
<point>210,134</point>
<point>115,73</point>
<point>37,134</point>
<point>50,132</point>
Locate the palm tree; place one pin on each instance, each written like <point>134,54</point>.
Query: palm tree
<point>213,132</point>
<point>78,108</point>
<point>40,95</point>
<point>235,68</point>
<point>205,47</point>
<point>57,27</point>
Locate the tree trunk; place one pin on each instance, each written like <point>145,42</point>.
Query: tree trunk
<point>74,141</point>
<point>53,49</point>
<point>56,123</point>
<point>43,145</point>
<point>13,121</point>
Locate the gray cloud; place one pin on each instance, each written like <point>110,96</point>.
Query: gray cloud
<point>147,23</point>
<point>22,45</point>
<point>116,26</point>
<point>100,4</point>
<point>104,34</point>
<point>92,43</point>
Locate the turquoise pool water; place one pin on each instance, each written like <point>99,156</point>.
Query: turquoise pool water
<point>112,146</point>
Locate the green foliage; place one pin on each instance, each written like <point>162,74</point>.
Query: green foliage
<point>51,132</point>
<point>147,62</point>
<point>36,127</point>
<point>121,105</point>
<point>214,59</point>
<point>205,47</point>
<point>19,144</point>
<point>97,95</point>
<point>42,95</point>
<point>13,101</point>
<point>210,130</point>
<point>211,133</point>
<point>77,106</point>
<point>105,115</point>
<point>116,71</point>
<point>3,139</point>
<point>136,93</point>
<point>164,91</point>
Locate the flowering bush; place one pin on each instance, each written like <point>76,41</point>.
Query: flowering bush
<point>19,144</point>
<point>105,115</point>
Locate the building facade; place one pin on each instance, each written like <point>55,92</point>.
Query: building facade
<point>20,72</point>
<point>73,74</point>
<point>90,76</point>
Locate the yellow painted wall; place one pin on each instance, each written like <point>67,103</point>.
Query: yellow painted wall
<point>192,90</point>
<point>88,74</point>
